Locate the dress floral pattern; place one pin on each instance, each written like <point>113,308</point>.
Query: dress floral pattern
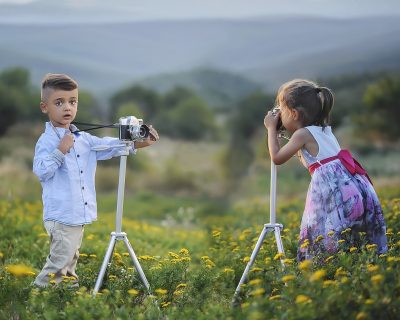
<point>336,201</point>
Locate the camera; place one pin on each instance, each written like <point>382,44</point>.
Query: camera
<point>132,129</point>
<point>279,126</point>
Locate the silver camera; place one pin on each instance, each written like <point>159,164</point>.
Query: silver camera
<point>132,129</point>
<point>279,126</point>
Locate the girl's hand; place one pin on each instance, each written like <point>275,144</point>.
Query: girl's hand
<point>151,139</point>
<point>271,120</point>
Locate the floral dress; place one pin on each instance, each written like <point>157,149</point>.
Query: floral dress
<point>339,205</point>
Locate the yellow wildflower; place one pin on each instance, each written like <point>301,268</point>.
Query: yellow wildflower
<point>372,268</point>
<point>216,233</point>
<point>90,237</point>
<point>93,256</point>
<point>369,301</point>
<point>257,292</point>
<point>161,291</point>
<point>288,261</point>
<point>278,296</point>
<point>165,304</point>
<point>133,292</point>
<point>288,278</point>
<point>256,269</point>
<point>1,255</point>
<point>346,231</point>
<point>371,247</point>
<point>305,265</point>
<point>329,258</point>
<point>341,241</point>
<point>377,279</point>
<point>279,256</point>
<point>19,270</point>
<point>181,285</point>
<point>317,275</point>
<point>319,238</point>
<point>331,233</point>
<point>255,282</point>
<point>361,316</point>
<point>178,292</point>
<point>246,259</point>
<point>305,244</point>
<point>328,283</point>
<point>352,249</point>
<point>184,251</point>
<point>228,270</point>
<point>301,298</point>
<point>173,255</point>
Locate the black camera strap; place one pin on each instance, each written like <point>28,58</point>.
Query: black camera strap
<point>94,126</point>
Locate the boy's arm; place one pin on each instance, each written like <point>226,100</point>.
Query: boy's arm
<point>46,161</point>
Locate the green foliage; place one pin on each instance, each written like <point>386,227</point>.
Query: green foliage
<point>193,272</point>
<point>379,121</point>
<point>147,100</point>
<point>245,122</point>
<point>88,110</point>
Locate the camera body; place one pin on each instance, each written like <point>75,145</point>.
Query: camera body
<point>132,129</point>
<point>279,126</point>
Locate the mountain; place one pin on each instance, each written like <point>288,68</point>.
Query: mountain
<point>103,57</point>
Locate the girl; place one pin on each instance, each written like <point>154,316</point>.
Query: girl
<point>340,196</point>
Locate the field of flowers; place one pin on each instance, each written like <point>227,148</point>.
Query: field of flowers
<point>193,272</point>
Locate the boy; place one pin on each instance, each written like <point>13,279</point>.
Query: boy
<point>65,164</point>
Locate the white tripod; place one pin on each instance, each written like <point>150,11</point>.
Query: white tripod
<point>268,227</point>
<point>118,234</point>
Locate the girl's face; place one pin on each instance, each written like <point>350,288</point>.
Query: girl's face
<point>288,119</point>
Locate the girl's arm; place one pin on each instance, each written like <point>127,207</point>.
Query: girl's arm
<point>281,155</point>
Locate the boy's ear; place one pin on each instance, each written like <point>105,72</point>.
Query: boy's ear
<point>43,107</point>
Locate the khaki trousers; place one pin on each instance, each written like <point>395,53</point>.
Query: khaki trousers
<point>65,242</point>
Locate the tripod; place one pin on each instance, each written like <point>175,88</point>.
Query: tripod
<point>118,234</point>
<point>268,227</point>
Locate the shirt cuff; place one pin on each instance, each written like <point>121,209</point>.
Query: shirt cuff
<point>58,156</point>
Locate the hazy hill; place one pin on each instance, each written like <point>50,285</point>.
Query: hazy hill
<point>104,57</point>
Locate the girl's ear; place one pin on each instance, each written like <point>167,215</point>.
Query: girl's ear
<point>295,114</point>
<point>43,107</point>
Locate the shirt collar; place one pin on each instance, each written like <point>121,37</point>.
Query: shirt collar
<point>50,129</point>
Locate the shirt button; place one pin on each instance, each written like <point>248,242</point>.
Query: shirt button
<point>83,188</point>
<point>85,203</point>
<point>81,171</point>
<point>77,155</point>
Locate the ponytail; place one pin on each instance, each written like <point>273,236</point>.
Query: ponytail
<point>325,95</point>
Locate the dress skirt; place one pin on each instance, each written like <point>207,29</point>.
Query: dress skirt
<point>338,201</point>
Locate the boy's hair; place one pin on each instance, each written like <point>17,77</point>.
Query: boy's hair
<point>56,81</point>
<point>313,102</point>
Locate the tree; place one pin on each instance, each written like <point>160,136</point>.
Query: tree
<point>380,117</point>
<point>244,123</point>
<point>191,119</point>
<point>147,100</point>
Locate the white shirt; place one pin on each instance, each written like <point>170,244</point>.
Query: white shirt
<point>68,181</point>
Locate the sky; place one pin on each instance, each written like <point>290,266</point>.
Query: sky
<point>191,9</point>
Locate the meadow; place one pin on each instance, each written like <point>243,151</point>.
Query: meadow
<point>193,246</point>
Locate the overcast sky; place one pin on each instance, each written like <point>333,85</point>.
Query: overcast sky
<point>184,9</point>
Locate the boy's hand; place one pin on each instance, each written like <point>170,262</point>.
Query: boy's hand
<point>151,139</point>
<point>271,120</point>
<point>66,143</point>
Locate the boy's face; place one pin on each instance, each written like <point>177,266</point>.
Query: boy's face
<point>61,106</point>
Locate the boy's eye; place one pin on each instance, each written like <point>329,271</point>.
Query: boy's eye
<point>59,103</point>
<point>74,102</point>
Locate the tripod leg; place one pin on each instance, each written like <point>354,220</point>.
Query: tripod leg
<point>250,263</point>
<point>279,243</point>
<point>104,264</point>
<point>137,264</point>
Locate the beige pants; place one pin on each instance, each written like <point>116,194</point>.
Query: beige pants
<point>65,242</point>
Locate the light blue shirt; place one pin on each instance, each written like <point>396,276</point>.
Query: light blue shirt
<point>68,181</point>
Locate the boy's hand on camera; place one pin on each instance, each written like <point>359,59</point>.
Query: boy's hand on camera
<point>271,120</point>
<point>66,143</point>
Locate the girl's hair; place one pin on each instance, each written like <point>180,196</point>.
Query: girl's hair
<point>313,102</point>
